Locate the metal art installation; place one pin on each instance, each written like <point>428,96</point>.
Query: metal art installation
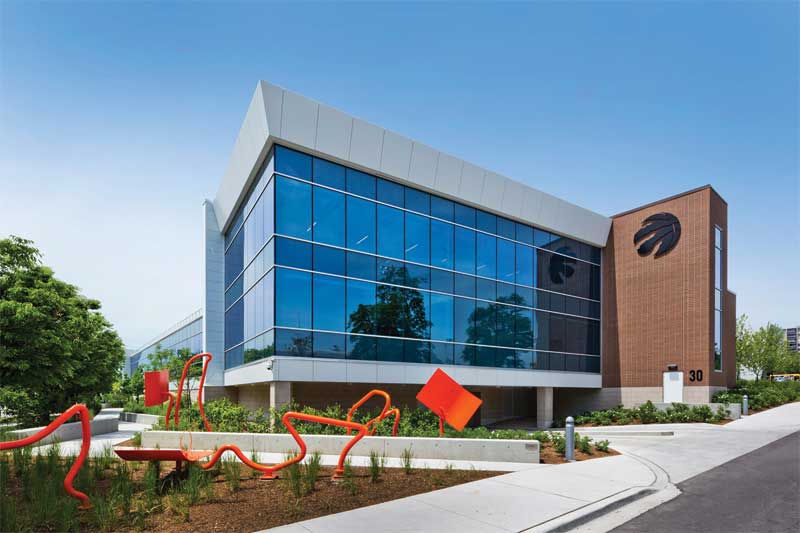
<point>663,229</point>
<point>450,401</point>
<point>157,392</point>
<point>385,412</point>
<point>86,436</point>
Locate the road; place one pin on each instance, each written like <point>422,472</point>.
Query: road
<point>757,492</point>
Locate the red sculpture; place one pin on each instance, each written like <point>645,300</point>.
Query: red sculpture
<point>86,435</point>
<point>450,401</point>
<point>157,392</point>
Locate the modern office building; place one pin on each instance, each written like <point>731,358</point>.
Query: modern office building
<point>340,256</point>
<point>791,338</point>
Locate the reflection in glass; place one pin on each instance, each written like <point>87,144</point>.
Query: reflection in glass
<point>390,232</point>
<point>293,298</point>
<point>360,225</point>
<point>293,208</point>
<point>328,217</point>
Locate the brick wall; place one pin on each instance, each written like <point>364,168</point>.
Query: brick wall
<point>658,311</point>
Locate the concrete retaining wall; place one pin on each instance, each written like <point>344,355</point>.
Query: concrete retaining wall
<point>734,408</point>
<point>140,418</point>
<point>517,451</point>
<point>70,431</point>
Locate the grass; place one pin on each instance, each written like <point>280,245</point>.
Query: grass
<point>408,460</point>
<point>375,466</point>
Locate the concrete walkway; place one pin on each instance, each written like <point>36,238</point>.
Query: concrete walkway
<point>595,495</point>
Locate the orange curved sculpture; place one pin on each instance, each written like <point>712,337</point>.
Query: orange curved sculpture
<point>86,435</point>
<point>208,357</point>
<point>269,471</point>
<point>385,412</point>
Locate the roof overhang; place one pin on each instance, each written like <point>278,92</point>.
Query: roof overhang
<point>278,115</point>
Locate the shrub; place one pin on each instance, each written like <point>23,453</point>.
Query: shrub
<point>311,471</point>
<point>348,482</point>
<point>232,470</point>
<point>583,444</point>
<point>559,442</point>
<point>294,478</point>
<point>602,445</point>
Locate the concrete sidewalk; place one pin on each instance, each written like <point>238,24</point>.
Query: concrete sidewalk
<point>585,496</point>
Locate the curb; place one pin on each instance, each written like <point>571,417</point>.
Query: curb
<point>592,511</point>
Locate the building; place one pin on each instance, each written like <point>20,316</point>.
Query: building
<point>791,338</point>
<point>186,334</point>
<point>340,256</point>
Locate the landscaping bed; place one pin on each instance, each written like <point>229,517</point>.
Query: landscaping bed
<point>648,413</point>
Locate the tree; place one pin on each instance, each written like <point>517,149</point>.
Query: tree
<point>133,387</point>
<point>56,348</point>
<point>763,351</point>
<point>167,359</point>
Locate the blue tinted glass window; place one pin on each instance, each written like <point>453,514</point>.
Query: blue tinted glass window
<point>329,260</point>
<point>418,201</point>
<point>418,234</point>
<point>293,298</point>
<point>360,312</point>
<point>505,261</point>
<point>523,328</point>
<point>441,317</point>
<point>390,232</point>
<point>486,289</point>
<point>464,215</point>
<point>465,250</point>
<point>541,238</point>
<point>416,352</point>
<point>234,291</point>
<point>526,359</point>
<point>524,296</point>
<point>330,174</point>
<point>329,345</point>
<point>361,348</point>
<point>234,324</point>
<point>390,350</point>
<point>441,244</point>
<point>329,308</point>
<point>418,276</point>
<point>293,163</point>
<point>390,192</point>
<point>590,364</point>
<point>464,285</point>
<point>293,253</point>
<point>328,226</point>
<point>506,228</point>
<point>595,254</point>
<point>293,343</point>
<point>572,306</point>
<point>485,324</point>
<point>234,259</point>
<point>484,356</point>
<point>487,255</point>
<point>233,357</point>
<point>524,233</point>
<point>391,271</point>
<point>441,353</point>
<point>293,208</point>
<point>557,302</point>
<point>464,355</point>
<point>486,222</point>
<point>360,224</point>
<point>441,280</point>
<point>360,183</point>
<point>463,316</point>
<point>441,208</point>
<point>360,266</point>
<point>524,260</point>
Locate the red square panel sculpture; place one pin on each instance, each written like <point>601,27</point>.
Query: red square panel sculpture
<point>442,395</point>
<point>156,387</point>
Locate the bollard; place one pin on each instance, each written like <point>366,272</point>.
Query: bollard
<point>569,435</point>
<point>745,405</point>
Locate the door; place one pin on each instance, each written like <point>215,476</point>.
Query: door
<point>673,387</point>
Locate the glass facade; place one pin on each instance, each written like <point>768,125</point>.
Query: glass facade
<point>326,261</point>
<point>188,337</point>
<point>717,298</point>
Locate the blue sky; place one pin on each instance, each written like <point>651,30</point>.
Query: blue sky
<point>117,120</point>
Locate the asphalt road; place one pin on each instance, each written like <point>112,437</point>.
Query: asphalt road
<point>757,492</point>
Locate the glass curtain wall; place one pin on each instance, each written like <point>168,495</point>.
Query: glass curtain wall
<point>717,298</point>
<point>326,261</point>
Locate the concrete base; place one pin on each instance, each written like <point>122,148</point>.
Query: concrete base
<point>516,451</point>
<point>69,431</point>
<point>141,418</point>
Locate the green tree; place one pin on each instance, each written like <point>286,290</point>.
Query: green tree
<point>133,387</point>
<point>56,348</point>
<point>172,361</point>
<point>763,351</point>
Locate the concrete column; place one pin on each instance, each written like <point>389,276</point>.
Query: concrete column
<point>280,393</point>
<point>544,407</point>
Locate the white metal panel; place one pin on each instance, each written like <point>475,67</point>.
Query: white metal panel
<point>493,187</point>
<point>423,165</point>
<point>330,370</point>
<point>333,132</point>
<point>513,196</point>
<point>448,174</point>
<point>299,123</point>
<point>361,372</point>
<point>366,143</point>
<point>257,372</point>
<point>531,204</point>
<point>673,387</point>
<point>396,156</point>
<point>472,183</point>
<point>273,103</point>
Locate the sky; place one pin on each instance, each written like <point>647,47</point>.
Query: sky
<point>117,120</point>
